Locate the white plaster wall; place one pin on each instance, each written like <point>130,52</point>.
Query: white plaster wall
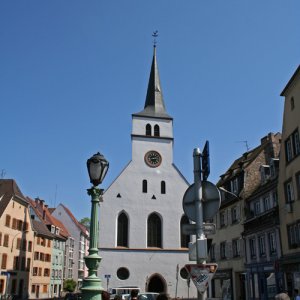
<point>143,262</point>
<point>142,265</point>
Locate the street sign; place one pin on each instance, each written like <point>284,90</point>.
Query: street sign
<point>189,229</point>
<point>5,273</point>
<point>201,275</point>
<point>209,228</point>
<point>211,201</point>
<point>205,161</point>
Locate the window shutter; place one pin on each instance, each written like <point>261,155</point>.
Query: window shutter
<point>229,216</point>
<point>217,252</point>
<point>228,249</point>
<point>218,220</point>
<point>238,212</point>
<point>226,217</point>
<point>242,247</point>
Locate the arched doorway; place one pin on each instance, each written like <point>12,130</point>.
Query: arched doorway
<point>157,284</point>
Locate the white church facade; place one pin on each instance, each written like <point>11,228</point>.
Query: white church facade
<point>140,240</point>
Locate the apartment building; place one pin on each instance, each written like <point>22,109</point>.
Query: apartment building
<point>60,236</point>
<point>289,184</point>
<point>228,246</point>
<point>76,245</point>
<point>16,241</point>
<point>262,233</point>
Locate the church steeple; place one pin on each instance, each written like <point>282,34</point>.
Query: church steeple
<point>154,104</point>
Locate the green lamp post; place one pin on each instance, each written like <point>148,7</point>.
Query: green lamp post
<point>91,286</point>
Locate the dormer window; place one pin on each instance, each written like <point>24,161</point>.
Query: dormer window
<point>274,166</point>
<point>156,130</point>
<point>148,129</point>
<point>265,173</point>
<point>234,185</point>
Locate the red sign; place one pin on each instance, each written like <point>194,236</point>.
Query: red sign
<point>201,275</point>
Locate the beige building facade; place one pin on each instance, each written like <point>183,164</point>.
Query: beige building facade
<point>16,241</point>
<point>289,184</point>
<point>228,246</point>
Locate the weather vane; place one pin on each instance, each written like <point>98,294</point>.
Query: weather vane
<point>155,35</point>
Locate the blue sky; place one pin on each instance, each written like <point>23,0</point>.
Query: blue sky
<point>73,72</point>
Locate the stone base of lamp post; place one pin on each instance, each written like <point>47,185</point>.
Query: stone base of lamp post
<point>92,285</point>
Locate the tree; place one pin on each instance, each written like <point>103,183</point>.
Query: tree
<point>86,222</point>
<point>69,285</point>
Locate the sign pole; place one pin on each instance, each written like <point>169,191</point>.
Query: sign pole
<point>201,243</point>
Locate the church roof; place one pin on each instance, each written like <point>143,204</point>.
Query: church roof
<point>154,104</point>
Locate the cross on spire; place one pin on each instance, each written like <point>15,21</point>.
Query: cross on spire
<point>155,35</point>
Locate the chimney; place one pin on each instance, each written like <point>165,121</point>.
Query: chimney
<point>40,202</point>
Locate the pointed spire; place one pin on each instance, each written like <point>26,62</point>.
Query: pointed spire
<point>154,104</point>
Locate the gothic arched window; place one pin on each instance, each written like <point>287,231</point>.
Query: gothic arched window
<point>185,239</point>
<point>154,238</point>
<point>163,187</point>
<point>122,238</point>
<point>156,130</point>
<point>148,129</point>
<point>145,186</point>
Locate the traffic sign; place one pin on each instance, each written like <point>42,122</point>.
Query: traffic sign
<point>211,201</point>
<point>201,275</point>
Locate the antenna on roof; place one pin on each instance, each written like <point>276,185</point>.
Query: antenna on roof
<point>246,144</point>
<point>3,173</point>
<point>55,196</point>
<point>155,35</point>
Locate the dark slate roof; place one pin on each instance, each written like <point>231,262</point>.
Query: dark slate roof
<point>41,229</point>
<point>8,190</point>
<point>290,81</point>
<point>242,162</point>
<point>154,104</point>
<point>46,217</point>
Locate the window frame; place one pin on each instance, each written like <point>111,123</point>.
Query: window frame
<point>223,250</point>
<point>163,187</point>
<point>156,130</point>
<point>122,230</point>
<point>252,246</point>
<point>289,191</point>
<point>236,247</point>
<point>154,231</point>
<point>148,130</point>
<point>145,186</point>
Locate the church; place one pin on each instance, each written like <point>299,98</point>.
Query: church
<point>141,243</point>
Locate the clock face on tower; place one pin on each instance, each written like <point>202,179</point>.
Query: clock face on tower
<point>153,159</point>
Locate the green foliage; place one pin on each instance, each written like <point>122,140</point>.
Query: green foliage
<point>69,285</point>
<point>86,222</point>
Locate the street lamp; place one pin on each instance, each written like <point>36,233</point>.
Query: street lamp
<point>91,286</point>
